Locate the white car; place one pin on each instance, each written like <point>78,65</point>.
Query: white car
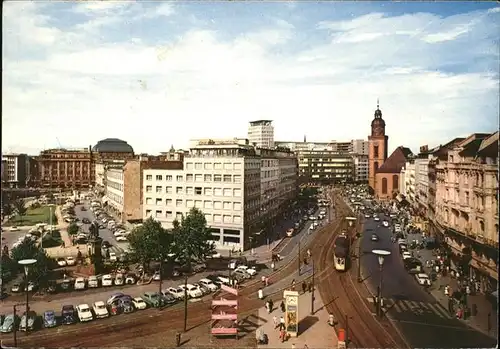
<point>14,229</point>
<point>406,255</point>
<point>84,313</point>
<point>113,257</point>
<point>216,255</point>
<point>119,232</point>
<point>100,310</point>
<point>312,218</point>
<point>177,292</point>
<point>107,280</point>
<point>208,284</point>
<point>385,224</point>
<point>119,280</point>
<point>376,219</point>
<point>79,283</point>
<point>93,281</point>
<point>367,216</point>
<point>401,242</point>
<point>70,261</point>
<point>121,238</point>
<point>423,279</point>
<point>139,303</point>
<point>192,291</point>
<point>250,271</point>
<point>61,262</point>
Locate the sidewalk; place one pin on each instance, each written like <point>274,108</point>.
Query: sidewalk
<point>63,227</point>
<point>314,330</point>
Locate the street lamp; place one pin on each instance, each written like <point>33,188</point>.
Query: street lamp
<point>26,263</point>
<point>381,254</point>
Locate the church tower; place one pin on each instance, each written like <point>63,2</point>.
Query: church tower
<point>377,153</point>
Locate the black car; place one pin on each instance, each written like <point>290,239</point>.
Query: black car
<point>66,285</point>
<point>413,265</point>
<point>106,244</point>
<point>168,299</point>
<point>126,305</point>
<point>215,279</point>
<point>68,315</point>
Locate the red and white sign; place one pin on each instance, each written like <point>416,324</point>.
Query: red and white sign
<point>224,316</point>
<point>224,330</point>
<point>228,289</point>
<point>225,302</point>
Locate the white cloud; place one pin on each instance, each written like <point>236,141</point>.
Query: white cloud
<point>200,83</point>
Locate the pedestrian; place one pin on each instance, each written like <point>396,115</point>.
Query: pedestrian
<point>275,321</point>
<point>282,321</point>
<point>304,287</point>
<point>261,294</point>
<point>272,266</point>
<point>271,305</point>
<point>293,285</point>
<point>266,281</point>
<point>310,287</point>
<point>282,306</point>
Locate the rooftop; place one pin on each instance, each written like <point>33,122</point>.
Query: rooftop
<point>396,161</point>
<point>112,145</point>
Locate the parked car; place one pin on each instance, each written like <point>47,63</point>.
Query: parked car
<point>374,237</point>
<point>240,274</point>
<point>114,297</point>
<point>139,303</point>
<point>93,281</point>
<point>68,314</point>
<point>106,244</point>
<point>9,323</point>
<point>406,255</point>
<point>84,313</point>
<point>61,262</point>
<point>28,321</point>
<point>15,288</point>
<point>192,291</point>
<point>209,284</point>
<point>49,319</point>
<point>66,285</point>
<point>249,270</point>
<point>14,228</point>
<point>413,265</point>
<point>107,280</point>
<point>100,310</point>
<point>168,298</point>
<point>152,299</point>
<point>70,261</point>
<point>130,279</point>
<point>79,284</point>
<point>126,305</point>
<point>423,279</point>
<point>177,292</point>
<point>119,279</point>
<point>204,290</point>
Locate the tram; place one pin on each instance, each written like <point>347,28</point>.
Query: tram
<point>341,252</point>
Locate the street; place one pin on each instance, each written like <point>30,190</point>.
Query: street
<point>421,318</point>
<point>10,237</point>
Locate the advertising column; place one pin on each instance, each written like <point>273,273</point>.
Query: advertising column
<point>291,312</point>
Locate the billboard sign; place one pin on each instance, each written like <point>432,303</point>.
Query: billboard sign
<point>291,313</point>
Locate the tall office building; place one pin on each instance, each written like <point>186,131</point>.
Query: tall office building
<point>261,134</point>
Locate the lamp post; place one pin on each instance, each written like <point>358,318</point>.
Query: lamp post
<point>381,254</point>
<point>26,263</point>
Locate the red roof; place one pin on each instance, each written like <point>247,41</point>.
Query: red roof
<point>396,161</point>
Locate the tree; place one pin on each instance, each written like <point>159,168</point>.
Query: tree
<point>73,229</point>
<point>192,237</point>
<point>20,208</point>
<point>7,209</point>
<point>150,242</point>
<point>28,249</point>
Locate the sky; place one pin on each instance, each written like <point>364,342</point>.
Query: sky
<point>157,74</point>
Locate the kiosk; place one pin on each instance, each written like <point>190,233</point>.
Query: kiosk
<point>291,312</point>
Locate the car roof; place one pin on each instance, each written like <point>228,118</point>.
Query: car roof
<point>422,275</point>
<point>99,303</point>
<point>206,280</point>
<point>84,305</point>
<point>47,312</point>
<point>139,299</point>
<point>68,306</point>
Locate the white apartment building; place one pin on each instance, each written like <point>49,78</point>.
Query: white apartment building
<point>115,188</point>
<point>359,146</point>
<point>261,134</point>
<point>407,181</point>
<point>360,168</point>
<point>223,180</point>
<point>16,171</point>
<point>422,181</point>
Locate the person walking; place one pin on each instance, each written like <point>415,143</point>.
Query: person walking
<point>271,305</point>
<point>275,321</point>
<point>282,306</point>
<point>304,287</point>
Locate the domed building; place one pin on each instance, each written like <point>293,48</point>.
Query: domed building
<point>109,152</point>
<point>112,145</point>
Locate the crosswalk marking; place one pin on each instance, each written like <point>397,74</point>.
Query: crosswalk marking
<point>414,307</point>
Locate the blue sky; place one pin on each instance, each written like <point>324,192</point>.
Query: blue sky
<point>161,73</point>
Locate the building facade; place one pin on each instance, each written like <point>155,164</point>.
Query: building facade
<point>261,134</point>
<point>15,170</point>
<point>466,210</point>
<point>377,147</point>
<point>359,146</point>
<point>360,168</point>
<point>407,181</point>
<point>325,166</point>
<point>238,187</point>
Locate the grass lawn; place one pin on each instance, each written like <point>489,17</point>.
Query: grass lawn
<point>33,216</point>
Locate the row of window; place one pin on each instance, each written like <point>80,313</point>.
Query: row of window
<point>211,218</point>
<point>213,166</point>
<point>196,191</point>
<point>206,204</point>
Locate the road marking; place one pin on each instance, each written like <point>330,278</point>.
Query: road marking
<point>417,308</point>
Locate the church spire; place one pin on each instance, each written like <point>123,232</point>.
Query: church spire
<point>378,104</point>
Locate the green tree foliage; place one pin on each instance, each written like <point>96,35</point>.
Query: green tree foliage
<point>73,229</point>
<point>192,237</point>
<point>7,209</point>
<point>20,208</point>
<point>150,242</point>
<point>7,266</point>
<point>28,249</point>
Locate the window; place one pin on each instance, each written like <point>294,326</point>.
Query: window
<point>168,178</point>
<point>189,178</point>
<point>227,192</point>
<point>169,190</point>
<point>218,166</point>
<point>169,215</point>
<point>189,166</point>
<point>227,219</point>
<point>227,178</point>
<point>178,203</point>
<point>237,219</point>
<point>227,205</point>
<point>158,213</point>
<point>198,203</point>
<point>179,190</point>
<point>189,203</point>
<point>208,191</point>
<point>395,182</point>
<point>168,202</point>
<point>375,151</point>
<point>159,177</point>
<point>158,201</point>
<point>198,190</point>
<point>237,192</point>
<point>178,216</point>
<point>218,191</point>
<point>208,217</point>
<point>149,201</point>
<point>217,178</point>
<point>207,165</point>
<point>149,189</point>
<point>218,205</point>
<point>180,178</point>
<point>217,218</point>
<point>207,204</point>
<point>148,213</point>
<point>237,179</point>
<point>158,189</point>
<point>197,166</point>
<point>237,206</point>
<point>208,178</point>
<point>228,166</point>
<point>384,185</point>
<point>149,177</point>
<point>198,178</point>
<point>237,166</point>
<point>189,190</point>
